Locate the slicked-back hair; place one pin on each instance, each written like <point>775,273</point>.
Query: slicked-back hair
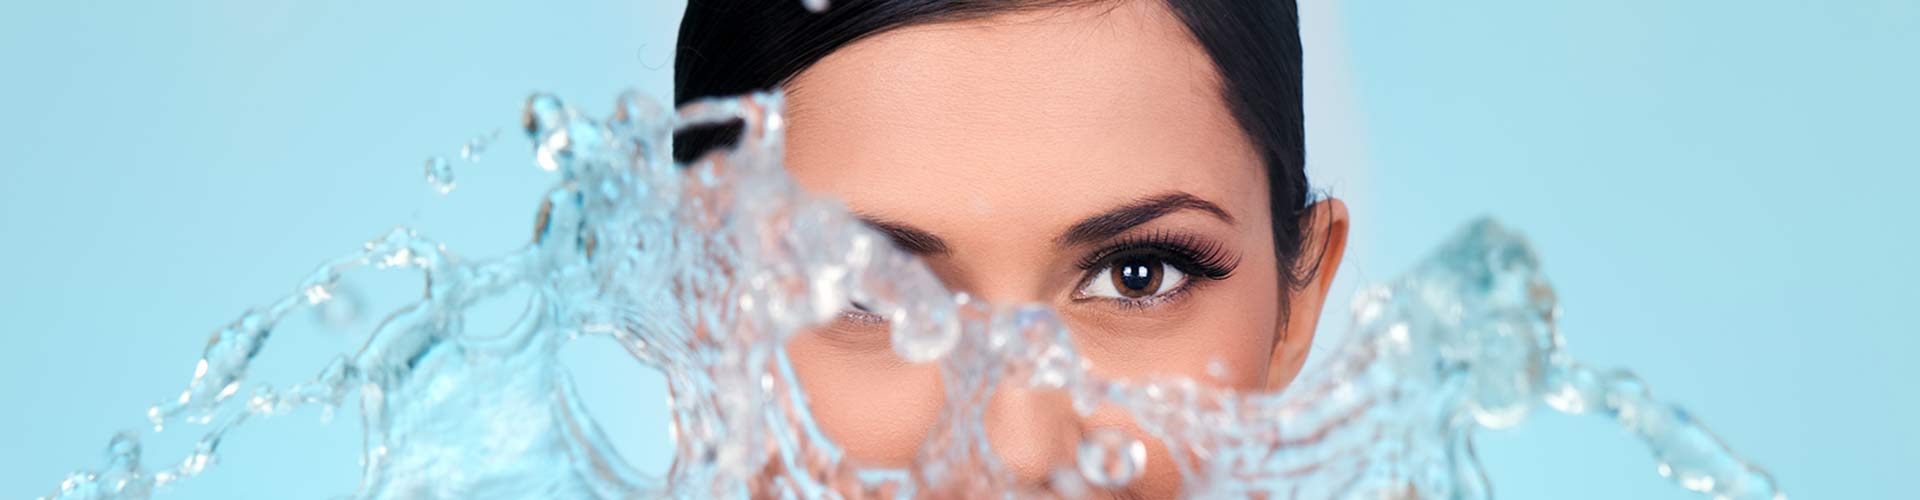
<point>729,47</point>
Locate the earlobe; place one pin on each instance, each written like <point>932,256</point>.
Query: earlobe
<point>1325,228</point>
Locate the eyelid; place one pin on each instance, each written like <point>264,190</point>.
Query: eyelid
<point>1194,255</point>
<point>860,315</point>
<point>855,331</point>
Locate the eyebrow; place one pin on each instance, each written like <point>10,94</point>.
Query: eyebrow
<point>1095,228</point>
<point>909,238</point>
<point>1120,219</point>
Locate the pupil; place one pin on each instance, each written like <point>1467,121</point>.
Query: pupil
<point>1138,277</point>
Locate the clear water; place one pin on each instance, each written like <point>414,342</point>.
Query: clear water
<point>703,270</point>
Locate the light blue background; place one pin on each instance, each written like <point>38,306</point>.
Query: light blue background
<point>1720,189</point>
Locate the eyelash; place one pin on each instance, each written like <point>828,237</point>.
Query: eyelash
<point>1199,258</point>
<point>859,314</point>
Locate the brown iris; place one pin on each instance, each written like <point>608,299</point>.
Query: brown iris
<point>1137,277</point>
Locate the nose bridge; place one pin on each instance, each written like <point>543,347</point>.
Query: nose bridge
<point>1009,264</point>
<point>1034,432</point>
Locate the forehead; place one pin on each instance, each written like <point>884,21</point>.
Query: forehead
<point>1048,115</point>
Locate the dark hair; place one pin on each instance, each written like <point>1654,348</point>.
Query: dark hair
<point>730,47</point>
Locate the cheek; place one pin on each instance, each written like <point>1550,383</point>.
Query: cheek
<point>875,407</point>
<point>1243,322</point>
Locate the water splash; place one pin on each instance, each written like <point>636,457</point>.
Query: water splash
<point>704,270</point>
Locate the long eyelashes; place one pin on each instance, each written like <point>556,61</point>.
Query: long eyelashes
<point>1202,260</point>
<point>1196,256</point>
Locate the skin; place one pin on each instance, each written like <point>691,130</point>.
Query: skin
<point>994,136</point>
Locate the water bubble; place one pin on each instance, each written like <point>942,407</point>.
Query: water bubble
<point>1111,458</point>
<point>440,175</point>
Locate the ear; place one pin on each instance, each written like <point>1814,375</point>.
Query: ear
<point>1324,227</point>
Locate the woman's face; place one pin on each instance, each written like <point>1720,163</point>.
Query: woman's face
<point>1084,159</point>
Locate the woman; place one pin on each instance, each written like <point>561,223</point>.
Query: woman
<point>1135,164</point>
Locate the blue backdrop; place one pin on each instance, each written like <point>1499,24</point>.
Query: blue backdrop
<point>1720,189</point>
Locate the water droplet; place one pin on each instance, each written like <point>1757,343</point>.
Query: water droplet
<point>552,150</point>
<point>318,293</point>
<point>543,113</point>
<point>476,146</point>
<point>815,6</point>
<point>1217,369</point>
<point>440,175</point>
<point>926,334</point>
<point>1110,458</point>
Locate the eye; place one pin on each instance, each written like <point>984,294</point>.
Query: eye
<point>1134,277</point>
